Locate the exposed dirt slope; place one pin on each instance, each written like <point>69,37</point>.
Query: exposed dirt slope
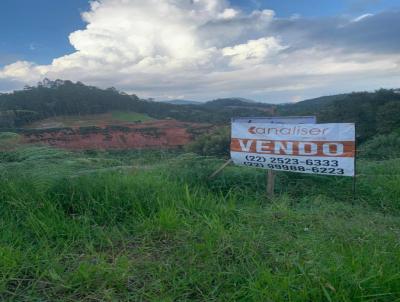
<point>152,134</point>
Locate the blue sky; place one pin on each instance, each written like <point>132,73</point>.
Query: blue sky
<point>38,30</point>
<point>318,8</point>
<point>268,50</point>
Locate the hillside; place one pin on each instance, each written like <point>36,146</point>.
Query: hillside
<point>310,105</point>
<point>157,134</point>
<point>376,112</point>
<point>373,112</point>
<point>64,98</point>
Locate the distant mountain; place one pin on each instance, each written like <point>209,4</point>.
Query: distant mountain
<point>235,102</point>
<point>223,102</point>
<point>182,102</point>
<point>310,105</point>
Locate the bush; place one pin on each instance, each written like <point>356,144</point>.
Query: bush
<point>385,146</point>
<point>212,144</point>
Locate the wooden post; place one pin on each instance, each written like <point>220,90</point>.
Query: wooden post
<point>355,172</point>
<point>270,184</point>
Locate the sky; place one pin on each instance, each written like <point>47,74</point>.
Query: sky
<point>267,50</point>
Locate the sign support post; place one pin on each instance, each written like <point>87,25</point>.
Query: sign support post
<point>270,184</point>
<point>220,169</point>
<point>355,172</point>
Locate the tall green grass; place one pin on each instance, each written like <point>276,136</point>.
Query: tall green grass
<point>163,231</point>
<point>129,116</point>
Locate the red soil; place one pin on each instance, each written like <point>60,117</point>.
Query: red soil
<point>165,134</point>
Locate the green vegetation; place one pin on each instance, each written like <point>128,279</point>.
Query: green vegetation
<point>377,112</point>
<point>6,136</point>
<point>9,140</point>
<point>215,143</point>
<point>382,146</point>
<point>151,226</point>
<point>373,113</point>
<point>111,118</point>
<point>51,99</point>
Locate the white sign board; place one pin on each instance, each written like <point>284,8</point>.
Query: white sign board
<point>327,149</point>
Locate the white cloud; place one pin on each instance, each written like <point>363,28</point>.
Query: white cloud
<point>228,13</point>
<point>198,48</point>
<point>253,52</point>
<point>22,70</point>
<point>359,18</point>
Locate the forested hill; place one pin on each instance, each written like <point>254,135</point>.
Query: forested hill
<point>377,112</point>
<point>374,113</point>
<point>55,98</point>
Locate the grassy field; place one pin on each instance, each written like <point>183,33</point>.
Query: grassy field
<point>110,118</point>
<point>150,226</point>
<point>9,140</point>
<point>126,116</point>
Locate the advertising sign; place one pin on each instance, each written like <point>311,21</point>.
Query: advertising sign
<point>327,149</point>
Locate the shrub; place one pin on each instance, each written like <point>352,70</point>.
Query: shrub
<point>384,146</point>
<point>215,143</point>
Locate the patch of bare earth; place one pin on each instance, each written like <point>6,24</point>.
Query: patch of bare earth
<point>164,134</point>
